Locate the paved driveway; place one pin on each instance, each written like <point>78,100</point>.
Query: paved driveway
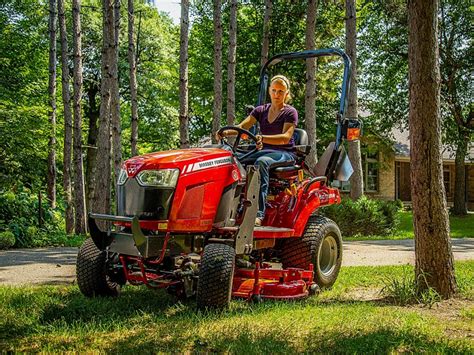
<point>57,265</point>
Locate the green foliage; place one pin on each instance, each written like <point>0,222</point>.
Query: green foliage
<point>383,63</point>
<point>365,216</point>
<point>19,213</point>
<point>7,239</point>
<point>23,92</point>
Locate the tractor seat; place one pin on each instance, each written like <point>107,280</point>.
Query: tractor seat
<point>289,170</point>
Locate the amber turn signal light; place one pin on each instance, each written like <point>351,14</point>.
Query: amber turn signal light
<point>353,134</point>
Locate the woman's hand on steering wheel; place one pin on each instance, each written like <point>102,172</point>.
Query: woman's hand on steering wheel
<point>259,142</point>
<point>241,134</point>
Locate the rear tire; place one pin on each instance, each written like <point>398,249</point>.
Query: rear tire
<point>321,245</point>
<point>215,277</point>
<point>91,272</point>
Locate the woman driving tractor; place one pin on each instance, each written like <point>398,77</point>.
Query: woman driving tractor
<point>275,143</point>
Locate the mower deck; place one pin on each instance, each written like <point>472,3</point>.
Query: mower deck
<point>265,282</point>
<point>261,282</point>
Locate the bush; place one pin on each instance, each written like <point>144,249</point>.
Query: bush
<point>19,215</point>
<point>7,240</point>
<point>365,216</point>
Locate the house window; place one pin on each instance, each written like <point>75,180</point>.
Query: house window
<point>370,166</point>
<point>371,172</point>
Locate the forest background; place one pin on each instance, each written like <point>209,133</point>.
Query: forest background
<point>26,129</point>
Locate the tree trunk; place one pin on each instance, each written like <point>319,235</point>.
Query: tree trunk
<point>267,17</point>
<point>93,115</point>
<point>217,107</point>
<point>356,180</point>
<point>460,206</point>
<point>67,120</point>
<point>133,77</point>
<point>52,106</point>
<point>310,88</point>
<point>183,76</point>
<point>79,203</point>
<point>115,96</point>
<point>434,258</point>
<point>101,197</point>
<point>231,63</point>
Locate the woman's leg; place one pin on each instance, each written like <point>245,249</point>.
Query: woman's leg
<point>264,163</point>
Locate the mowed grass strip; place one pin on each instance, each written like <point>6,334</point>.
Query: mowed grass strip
<point>460,227</point>
<point>349,318</point>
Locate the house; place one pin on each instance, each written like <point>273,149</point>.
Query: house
<point>386,169</point>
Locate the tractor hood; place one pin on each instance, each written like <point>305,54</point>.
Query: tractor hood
<point>182,159</point>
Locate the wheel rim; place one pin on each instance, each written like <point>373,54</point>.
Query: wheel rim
<point>327,257</point>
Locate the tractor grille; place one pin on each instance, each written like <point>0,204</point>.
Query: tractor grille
<point>148,203</point>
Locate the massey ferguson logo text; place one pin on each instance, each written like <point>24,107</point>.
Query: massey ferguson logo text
<point>208,164</point>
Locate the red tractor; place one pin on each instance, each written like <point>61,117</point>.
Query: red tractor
<point>186,220</point>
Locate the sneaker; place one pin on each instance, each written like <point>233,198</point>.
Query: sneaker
<point>258,222</point>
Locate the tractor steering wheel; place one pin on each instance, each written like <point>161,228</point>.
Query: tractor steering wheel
<point>241,133</point>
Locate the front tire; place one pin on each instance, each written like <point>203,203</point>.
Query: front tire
<point>91,272</point>
<point>215,277</point>
<point>321,245</point>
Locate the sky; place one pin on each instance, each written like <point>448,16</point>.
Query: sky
<point>172,7</point>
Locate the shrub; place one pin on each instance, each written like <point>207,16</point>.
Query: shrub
<point>364,216</point>
<point>19,215</point>
<point>7,240</point>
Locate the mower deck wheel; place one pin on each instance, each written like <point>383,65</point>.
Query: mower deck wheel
<point>321,245</point>
<point>91,272</point>
<point>215,277</point>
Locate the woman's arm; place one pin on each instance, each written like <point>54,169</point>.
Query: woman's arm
<point>282,138</point>
<point>247,123</point>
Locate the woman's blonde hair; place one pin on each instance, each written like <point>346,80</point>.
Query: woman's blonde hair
<point>283,80</point>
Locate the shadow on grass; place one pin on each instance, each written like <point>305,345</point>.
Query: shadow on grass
<point>152,321</point>
<point>381,341</point>
<point>233,343</point>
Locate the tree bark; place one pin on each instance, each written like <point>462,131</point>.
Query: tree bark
<point>67,120</point>
<point>434,259</point>
<point>460,203</point>
<point>115,95</point>
<point>133,77</point>
<point>51,189</point>
<point>231,63</point>
<point>93,114</point>
<point>356,180</point>
<point>310,87</point>
<point>101,197</point>
<point>183,76</point>
<point>79,203</point>
<point>267,17</point>
<point>217,107</point>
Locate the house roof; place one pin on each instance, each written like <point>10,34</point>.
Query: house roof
<point>402,147</point>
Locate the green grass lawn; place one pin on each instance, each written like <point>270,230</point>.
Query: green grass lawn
<point>349,318</point>
<point>461,227</point>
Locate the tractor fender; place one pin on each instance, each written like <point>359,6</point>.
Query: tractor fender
<point>310,202</point>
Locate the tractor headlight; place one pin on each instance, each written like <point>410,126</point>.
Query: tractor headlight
<point>122,177</point>
<point>162,177</point>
